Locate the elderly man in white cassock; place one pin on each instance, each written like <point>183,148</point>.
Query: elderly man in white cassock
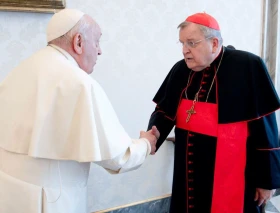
<point>56,119</point>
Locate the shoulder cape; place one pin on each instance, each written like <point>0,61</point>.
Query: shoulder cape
<point>50,108</point>
<point>245,90</point>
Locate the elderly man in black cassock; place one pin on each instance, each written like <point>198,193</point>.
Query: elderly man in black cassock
<point>222,103</point>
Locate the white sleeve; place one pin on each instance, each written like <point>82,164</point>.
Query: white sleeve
<point>131,159</point>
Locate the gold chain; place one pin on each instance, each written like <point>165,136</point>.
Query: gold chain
<point>215,76</point>
<point>188,84</point>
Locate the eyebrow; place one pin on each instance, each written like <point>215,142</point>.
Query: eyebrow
<point>192,39</point>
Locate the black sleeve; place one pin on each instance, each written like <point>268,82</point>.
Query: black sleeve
<point>263,153</point>
<point>163,124</point>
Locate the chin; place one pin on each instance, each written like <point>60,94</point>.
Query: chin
<point>194,68</point>
<point>189,65</point>
<point>197,69</point>
<point>89,71</point>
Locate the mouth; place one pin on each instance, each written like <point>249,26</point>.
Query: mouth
<point>188,59</point>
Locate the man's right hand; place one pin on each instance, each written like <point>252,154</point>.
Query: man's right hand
<point>152,136</point>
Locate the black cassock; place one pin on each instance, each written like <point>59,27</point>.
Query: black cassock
<point>229,146</point>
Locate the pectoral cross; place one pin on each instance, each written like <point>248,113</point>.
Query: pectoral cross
<point>191,110</point>
<point>190,113</point>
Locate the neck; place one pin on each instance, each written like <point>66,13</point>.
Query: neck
<point>215,56</point>
<point>218,52</point>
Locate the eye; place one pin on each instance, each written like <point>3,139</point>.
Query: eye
<point>191,43</point>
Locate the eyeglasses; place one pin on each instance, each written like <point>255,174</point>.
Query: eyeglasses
<point>192,44</point>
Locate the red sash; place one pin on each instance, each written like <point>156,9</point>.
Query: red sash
<point>229,181</point>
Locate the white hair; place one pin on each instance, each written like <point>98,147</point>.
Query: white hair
<point>206,31</point>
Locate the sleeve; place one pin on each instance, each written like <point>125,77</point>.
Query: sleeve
<point>263,153</point>
<point>167,99</point>
<point>131,159</point>
<point>163,124</point>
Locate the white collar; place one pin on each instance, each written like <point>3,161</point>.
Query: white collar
<point>65,53</point>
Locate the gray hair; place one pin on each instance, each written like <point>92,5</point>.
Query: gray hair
<point>81,27</point>
<point>206,31</point>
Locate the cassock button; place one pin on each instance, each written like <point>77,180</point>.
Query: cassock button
<point>190,153</point>
<point>191,189</point>
<point>190,162</point>
<point>200,96</point>
<point>190,144</point>
<point>203,82</point>
<point>191,198</point>
<point>190,171</point>
<point>191,135</point>
<point>191,206</point>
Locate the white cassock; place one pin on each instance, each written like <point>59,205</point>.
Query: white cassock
<point>54,120</point>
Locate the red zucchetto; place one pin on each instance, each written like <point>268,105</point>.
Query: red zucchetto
<point>204,19</point>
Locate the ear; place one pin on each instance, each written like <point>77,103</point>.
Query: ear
<point>78,44</point>
<point>215,44</point>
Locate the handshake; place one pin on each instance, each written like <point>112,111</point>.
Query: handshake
<point>152,136</point>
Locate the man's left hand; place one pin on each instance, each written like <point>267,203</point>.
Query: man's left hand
<point>262,196</point>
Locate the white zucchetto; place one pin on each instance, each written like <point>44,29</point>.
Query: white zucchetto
<point>62,22</point>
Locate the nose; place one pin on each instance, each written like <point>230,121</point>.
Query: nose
<point>99,51</point>
<point>185,49</point>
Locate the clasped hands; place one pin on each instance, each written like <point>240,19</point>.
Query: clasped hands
<point>152,136</point>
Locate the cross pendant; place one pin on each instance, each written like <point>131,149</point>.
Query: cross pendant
<point>190,113</point>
